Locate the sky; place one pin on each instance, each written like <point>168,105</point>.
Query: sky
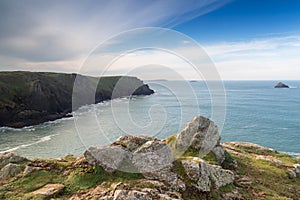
<point>241,39</point>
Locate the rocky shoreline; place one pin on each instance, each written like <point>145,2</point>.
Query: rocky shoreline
<point>31,98</point>
<point>143,167</point>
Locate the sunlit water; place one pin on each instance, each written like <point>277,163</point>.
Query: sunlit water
<point>256,112</point>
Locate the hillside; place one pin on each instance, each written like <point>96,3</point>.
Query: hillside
<point>29,98</point>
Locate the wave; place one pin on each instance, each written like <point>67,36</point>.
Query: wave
<point>249,126</point>
<point>293,154</point>
<point>43,139</point>
<point>26,128</point>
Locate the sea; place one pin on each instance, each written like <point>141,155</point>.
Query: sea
<point>247,111</point>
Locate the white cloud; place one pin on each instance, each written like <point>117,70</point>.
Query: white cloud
<point>266,59</point>
<point>262,59</point>
<point>56,31</point>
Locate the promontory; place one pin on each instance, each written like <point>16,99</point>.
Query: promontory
<point>30,98</point>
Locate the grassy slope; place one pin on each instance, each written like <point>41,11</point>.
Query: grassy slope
<point>256,179</point>
<point>265,178</point>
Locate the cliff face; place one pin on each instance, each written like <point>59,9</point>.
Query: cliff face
<point>29,98</point>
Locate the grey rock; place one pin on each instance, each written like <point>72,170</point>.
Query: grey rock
<point>10,157</point>
<point>154,160</point>
<point>292,174</point>
<point>131,143</point>
<point>30,169</point>
<point>108,157</point>
<point>206,176</point>
<point>200,134</point>
<point>297,168</point>
<point>144,194</point>
<point>168,177</point>
<point>49,190</point>
<point>131,194</point>
<point>219,153</point>
<point>10,170</point>
<point>152,156</point>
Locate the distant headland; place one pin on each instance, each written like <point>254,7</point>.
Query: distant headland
<point>30,98</point>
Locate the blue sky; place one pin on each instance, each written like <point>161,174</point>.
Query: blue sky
<point>244,20</point>
<point>245,39</point>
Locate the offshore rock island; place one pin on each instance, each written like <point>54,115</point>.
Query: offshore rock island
<point>144,167</point>
<point>30,98</point>
<point>281,85</point>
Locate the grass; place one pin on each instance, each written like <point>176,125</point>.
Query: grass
<point>21,188</point>
<point>82,179</point>
<point>269,180</point>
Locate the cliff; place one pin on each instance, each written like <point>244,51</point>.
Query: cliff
<point>206,169</point>
<point>29,98</point>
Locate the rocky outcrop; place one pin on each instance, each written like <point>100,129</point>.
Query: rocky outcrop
<point>187,177</point>
<point>13,165</point>
<point>121,191</point>
<point>200,135</point>
<point>155,158</point>
<point>10,170</point>
<point>281,85</point>
<point>136,154</point>
<point>10,157</point>
<point>206,176</point>
<point>29,98</point>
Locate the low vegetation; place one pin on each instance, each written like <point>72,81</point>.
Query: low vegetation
<point>260,174</point>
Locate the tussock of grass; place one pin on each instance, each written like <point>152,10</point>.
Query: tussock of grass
<point>82,179</point>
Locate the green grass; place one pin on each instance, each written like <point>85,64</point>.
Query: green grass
<point>82,179</point>
<point>21,188</point>
<point>269,180</point>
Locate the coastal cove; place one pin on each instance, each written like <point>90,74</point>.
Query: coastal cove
<point>256,112</point>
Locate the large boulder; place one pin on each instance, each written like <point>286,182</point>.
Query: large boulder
<point>142,153</point>
<point>108,157</point>
<point>201,134</point>
<point>206,176</point>
<point>152,156</point>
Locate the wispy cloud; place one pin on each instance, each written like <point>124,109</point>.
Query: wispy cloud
<point>257,59</point>
<point>268,58</point>
<point>54,31</point>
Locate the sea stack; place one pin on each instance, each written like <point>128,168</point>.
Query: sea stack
<point>281,85</point>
